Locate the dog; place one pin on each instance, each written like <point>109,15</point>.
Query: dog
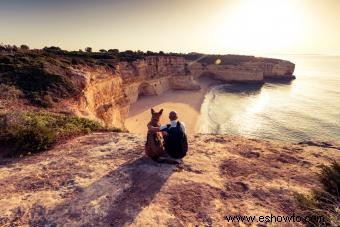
<point>154,146</point>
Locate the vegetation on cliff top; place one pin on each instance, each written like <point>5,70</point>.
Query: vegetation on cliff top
<point>40,86</point>
<point>28,132</point>
<point>90,57</point>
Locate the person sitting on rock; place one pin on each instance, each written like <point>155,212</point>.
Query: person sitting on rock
<point>175,138</point>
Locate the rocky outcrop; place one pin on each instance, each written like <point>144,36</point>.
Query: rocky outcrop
<point>248,72</point>
<point>152,67</point>
<point>184,83</point>
<point>145,87</point>
<point>107,94</point>
<point>276,70</point>
<point>227,73</point>
<point>104,179</point>
<point>284,69</point>
<point>150,76</point>
<point>157,74</point>
<point>102,98</point>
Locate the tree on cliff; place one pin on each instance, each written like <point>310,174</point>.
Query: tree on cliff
<point>149,53</point>
<point>24,47</point>
<point>113,51</point>
<point>53,49</point>
<point>88,49</point>
<point>102,51</point>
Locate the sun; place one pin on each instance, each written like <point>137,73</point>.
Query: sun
<point>261,25</point>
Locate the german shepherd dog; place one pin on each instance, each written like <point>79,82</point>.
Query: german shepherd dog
<point>154,146</point>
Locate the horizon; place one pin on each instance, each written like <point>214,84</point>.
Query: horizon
<point>267,55</point>
<point>246,27</point>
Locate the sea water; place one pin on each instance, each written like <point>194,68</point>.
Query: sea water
<point>307,108</point>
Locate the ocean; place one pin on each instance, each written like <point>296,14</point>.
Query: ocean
<point>307,108</point>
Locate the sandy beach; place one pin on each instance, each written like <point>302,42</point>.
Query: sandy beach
<point>186,103</point>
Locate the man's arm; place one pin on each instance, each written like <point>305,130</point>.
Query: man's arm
<point>153,129</point>
<point>163,127</point>
<point>156,129</point>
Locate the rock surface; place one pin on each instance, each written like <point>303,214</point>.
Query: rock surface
<point>104,179</point>
<point>102,98</point>
<point>107,95</point>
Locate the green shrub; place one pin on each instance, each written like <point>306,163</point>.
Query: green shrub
<point>32,137</point>
<point>113,51</point>
<point>38,84</point>
<point>88,49</point>
<point>52,49</point>
<point>323,202</point>
<point>36,131</point>
<point>6,60</point>
<point>77,61</point>
<point>24,47</point>
<point>330,179</point>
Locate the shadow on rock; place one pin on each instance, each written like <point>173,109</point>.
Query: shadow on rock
<point>115,199</point>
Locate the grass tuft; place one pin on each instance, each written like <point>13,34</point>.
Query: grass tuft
<point>324,202</point>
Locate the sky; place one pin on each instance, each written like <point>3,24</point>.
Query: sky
<point>206,26</point>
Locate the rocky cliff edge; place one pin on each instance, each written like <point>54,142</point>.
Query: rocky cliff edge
<point>104,179</point>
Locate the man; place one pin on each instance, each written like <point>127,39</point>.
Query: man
<point>176,144</point>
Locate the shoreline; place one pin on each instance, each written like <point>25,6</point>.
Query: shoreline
<point>187,103</point>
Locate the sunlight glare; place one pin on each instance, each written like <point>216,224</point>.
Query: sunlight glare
<point>259,104</point>
<point>261,25</point>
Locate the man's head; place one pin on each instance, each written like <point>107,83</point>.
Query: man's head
<point>173,116</point>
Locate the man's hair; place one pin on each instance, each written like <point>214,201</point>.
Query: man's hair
<point>173,115</point>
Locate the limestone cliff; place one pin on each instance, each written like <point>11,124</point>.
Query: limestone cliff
<point>280,69</point>
<point>184,83</point>
<point>150,76</point>
<point>228,73</point>
<point>156,74</point>
<point>107,94</point>
<point>102,97</point>
<point>101,86</point>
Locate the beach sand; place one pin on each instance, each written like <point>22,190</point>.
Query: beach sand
<point>186,103</point>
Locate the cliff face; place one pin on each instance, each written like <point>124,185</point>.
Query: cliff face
<point>102,87</point>
<point>227,73</point>
<point>281,69</point>
<point>107,94</point>
<point>149,76</point>
<point>151,67</point>
<point>155,75</point>
<point>102,98</point>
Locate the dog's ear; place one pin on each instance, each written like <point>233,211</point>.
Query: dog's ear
<point>152,111</point>
<point>161,111</point>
